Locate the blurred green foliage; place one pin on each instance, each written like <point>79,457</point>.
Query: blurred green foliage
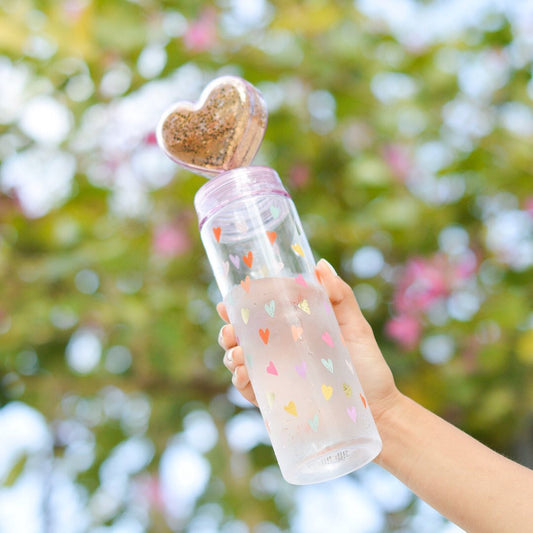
<point>383,143</point>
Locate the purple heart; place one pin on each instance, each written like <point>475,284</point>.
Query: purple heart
<point>301,369</point>
<point>235,260</point>
<point>352,413</point>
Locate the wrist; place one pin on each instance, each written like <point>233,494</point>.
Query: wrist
<point>394,421</point>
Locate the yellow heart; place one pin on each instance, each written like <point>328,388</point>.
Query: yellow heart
<point>298,249</point>
<point>327,391</point>
<point>304,306</point>
<point>291,409</point>
<point>271,397</point>
<point>245,314</point>
<point>222,131</point>
<point>347,389</point>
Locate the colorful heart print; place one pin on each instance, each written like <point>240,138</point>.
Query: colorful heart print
<point>271,397</point>
<point>272,235</point>
<point>327,391</point>
<point>248,259</point>
<point>350,366</point>
<point>313,423</point>
<point>363,399</point>
<point>301,368</point>
<point>222,131</point>
<point>274,211</point>
<point>347,389</point>
<point>304,306</point>
<point>264,334</point>
<point>235,261</point>
<point>270,308</point>
<point>352,413</point>
<point>291,408</point>
<point>297,249</point>
<point>245,284</point>
<point>249,360</point>
<point>297,332</point>
<point>300,280</point>
<point>271,368</point>
<point>216,232</point>
<point>328,364</point>
<point>326,337</point>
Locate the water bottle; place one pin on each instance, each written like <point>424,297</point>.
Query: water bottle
<point>305,384</point>
<point>307,389</point>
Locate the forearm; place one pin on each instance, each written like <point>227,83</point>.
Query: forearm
<point>464,480</point>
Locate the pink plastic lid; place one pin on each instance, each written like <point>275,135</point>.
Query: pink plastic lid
<point>236,184</point>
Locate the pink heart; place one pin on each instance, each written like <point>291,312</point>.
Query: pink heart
<point>352,413</point>
<point>326,337</point>
<point>300,279</point>
<point>301,368</point>
<point>235,260</point>
<point>271,369</point>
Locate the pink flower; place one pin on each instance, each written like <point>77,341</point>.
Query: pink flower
<point>150,138</point>
<point>466,266</point>
<point>422,283</point>
<point>171,240</point>
<point>201,33</point>
<point>148,489</point>
<point>398,160</point>
<point>299,176</point>
<point>405,330</point>
<point>74,9</point>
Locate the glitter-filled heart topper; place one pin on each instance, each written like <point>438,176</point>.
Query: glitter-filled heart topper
<point>222,131</point>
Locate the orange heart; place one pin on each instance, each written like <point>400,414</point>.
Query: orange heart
<point>245,284</point>
<point>216,232</point>
<point>296,332</point>
<point>271,236</point>
<point>248,259</point>
<point>264,334</point>
<point>222,131</point>
<point>362,399</point>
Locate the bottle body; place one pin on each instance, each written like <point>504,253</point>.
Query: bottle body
<point>308,392</point>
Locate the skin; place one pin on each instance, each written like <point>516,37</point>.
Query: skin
<point>473,486</point>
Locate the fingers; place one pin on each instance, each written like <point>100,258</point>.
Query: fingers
<point>226,337</point>
<point>234,361</point>
<point>221,310</point>
<point>354,326</point>
<point>233,358</point>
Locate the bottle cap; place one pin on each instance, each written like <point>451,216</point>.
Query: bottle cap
<point>220,132</point>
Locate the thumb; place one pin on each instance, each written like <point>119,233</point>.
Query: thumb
<point>353,324</point>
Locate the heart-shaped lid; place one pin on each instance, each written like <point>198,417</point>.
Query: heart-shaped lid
<point>222,131</point>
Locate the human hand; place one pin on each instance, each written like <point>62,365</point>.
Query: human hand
<point>375,376</point>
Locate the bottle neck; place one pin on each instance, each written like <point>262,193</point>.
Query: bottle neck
<point>236,184</point>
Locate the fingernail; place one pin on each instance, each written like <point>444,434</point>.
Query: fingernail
<point>229,355</point>
<point>329,265</point>
<point>221,335</point>
<point>234,377</point>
